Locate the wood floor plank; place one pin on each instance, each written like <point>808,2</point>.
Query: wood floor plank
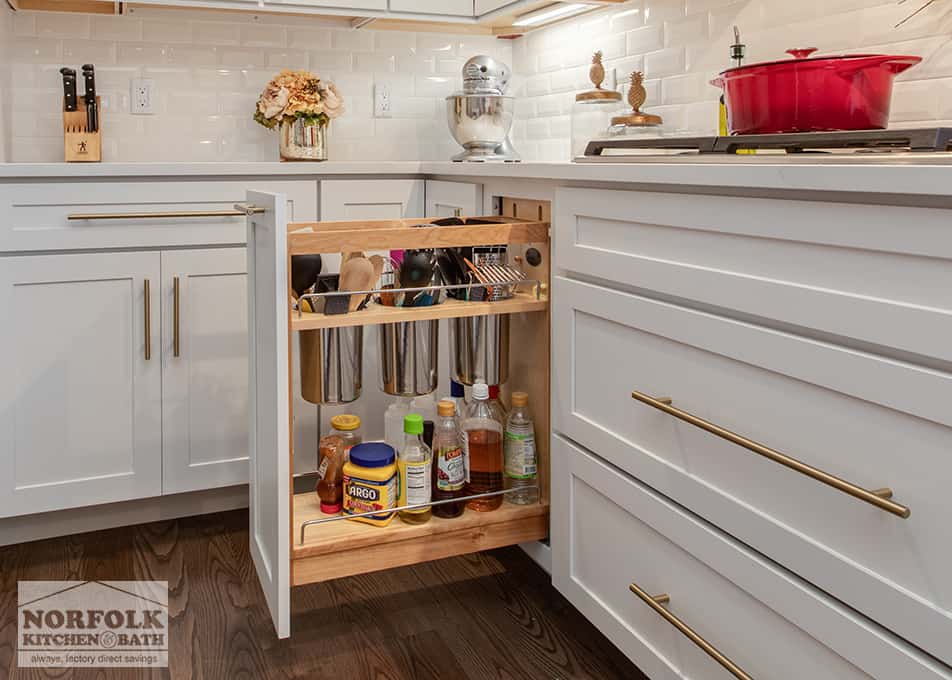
<point>484,616</point>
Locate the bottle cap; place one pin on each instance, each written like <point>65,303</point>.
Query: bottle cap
<point>413,423</point>
<point>446,409</point>
<point>456,389</point>
<point>345,422</point>
<point>372,455</point>
<point>494,391</point>
<point>520,399</point>
<point>330,508</point>
<point>481,391</point>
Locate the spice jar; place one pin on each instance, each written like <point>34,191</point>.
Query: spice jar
<point>330,472</point>
<point>593,109</point>
<point>347,427</point>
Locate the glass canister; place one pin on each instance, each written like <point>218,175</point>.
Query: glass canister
<point>347,427</point>
<point>636,123</point>
<point>593,109</point>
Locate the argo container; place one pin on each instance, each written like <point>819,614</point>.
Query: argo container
<point>370,482</point>
<point>811,94</point>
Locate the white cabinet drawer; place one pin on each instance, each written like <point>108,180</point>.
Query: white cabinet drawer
<point>873,422</point>
<point>34,216</point>
<point>610,531</point>
<point>879,275</point>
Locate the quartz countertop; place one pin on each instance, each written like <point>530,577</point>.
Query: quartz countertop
<point>903,173</point>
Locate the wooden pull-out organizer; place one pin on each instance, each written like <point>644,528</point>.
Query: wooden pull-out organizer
<point>343,548</point>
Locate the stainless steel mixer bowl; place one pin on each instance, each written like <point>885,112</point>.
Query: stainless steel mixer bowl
<point>479,122</point>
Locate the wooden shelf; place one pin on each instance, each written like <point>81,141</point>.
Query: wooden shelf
<point>347,547</point>
<point>450,309</point>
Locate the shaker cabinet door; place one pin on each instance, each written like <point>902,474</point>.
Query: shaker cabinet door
<point>81,385</point>
<point>452,199</point>
<point>204,369</point>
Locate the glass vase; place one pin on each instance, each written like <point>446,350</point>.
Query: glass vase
<point>299,140</point>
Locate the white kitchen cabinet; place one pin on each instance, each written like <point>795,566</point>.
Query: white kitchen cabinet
<point>611,531</point>
<point>461,8</point>
<point>204,369</point>
<point>349,199</point>
<point>449,199</point>
<point>81,387</point>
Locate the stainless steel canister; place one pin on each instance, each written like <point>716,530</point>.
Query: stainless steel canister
<point>479,349</point>
<point>332,364</point>
<point>408,357</point>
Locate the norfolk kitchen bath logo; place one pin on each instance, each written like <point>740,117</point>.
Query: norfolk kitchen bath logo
<point>92,624</point>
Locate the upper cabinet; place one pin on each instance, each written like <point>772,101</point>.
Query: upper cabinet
<point>485,6</point>
<point>462,8</point>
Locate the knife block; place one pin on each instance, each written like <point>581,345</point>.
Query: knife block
<point>80,145</point>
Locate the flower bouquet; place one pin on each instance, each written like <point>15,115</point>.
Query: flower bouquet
<point>302,106</point>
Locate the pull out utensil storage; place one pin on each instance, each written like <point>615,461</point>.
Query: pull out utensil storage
<point>408,354</point>
<point>332,364</point>
<point>292,541</point>
<point>479,349</point>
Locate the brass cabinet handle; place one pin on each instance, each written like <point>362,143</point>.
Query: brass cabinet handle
<point>878,497</point>
<point>655,603</point>
<point>239,211</point>
<point>176,294</point>
<point>147,313</point>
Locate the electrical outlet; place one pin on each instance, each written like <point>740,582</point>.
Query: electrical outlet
<point>141,96</point>
<point>382,101</point>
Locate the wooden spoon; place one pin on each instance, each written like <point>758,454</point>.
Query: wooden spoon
<point>357,273</point>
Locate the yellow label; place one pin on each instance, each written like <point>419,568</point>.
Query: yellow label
<point>366,495</point>
<point>415,483</point>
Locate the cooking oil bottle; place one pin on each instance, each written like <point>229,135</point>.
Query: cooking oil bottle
<point>415,464</point>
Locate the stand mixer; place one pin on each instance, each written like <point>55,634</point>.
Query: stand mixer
<point>480,115</point>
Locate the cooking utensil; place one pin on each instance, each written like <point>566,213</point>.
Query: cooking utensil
<point>304,272</point>
<point>92,113</point>
<point>356,273</point>
<point>811,94</point>
<point>69,88</point>
<point>416,271</point>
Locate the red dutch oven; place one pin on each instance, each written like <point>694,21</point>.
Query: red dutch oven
<point>811,94</point>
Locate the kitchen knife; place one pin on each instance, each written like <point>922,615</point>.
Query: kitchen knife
<point>69,89</point>
<point>92,114</point>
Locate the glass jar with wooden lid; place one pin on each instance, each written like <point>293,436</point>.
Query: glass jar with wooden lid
<point>593,109</point>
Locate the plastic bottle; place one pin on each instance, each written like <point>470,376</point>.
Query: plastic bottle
<point>425,405</point>
<point>393,423</point>
<point>415,464</point>
<point>496,406</point>
<point>330,484</point>
<point>483,438</point>
<point>449,463</point>
<point>520,453</point>
<point>458,397</point>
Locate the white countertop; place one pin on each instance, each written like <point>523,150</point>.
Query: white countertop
<point>911,174</point>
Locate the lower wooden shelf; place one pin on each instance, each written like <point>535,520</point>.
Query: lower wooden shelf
<point>345,548</point>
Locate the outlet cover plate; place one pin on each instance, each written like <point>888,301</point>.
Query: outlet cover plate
<point>142,96</point>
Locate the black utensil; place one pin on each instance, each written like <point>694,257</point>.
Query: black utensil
<point>69,89</point>
<point>416,271</point>
<point>304,272</point>
<point>92,109</point>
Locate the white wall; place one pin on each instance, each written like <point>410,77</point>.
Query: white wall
<point>209,69</point>
<point>681,44</point>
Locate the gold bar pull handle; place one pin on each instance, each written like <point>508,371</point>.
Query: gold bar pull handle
<point>147,314</point>
<point>176,299</point>
<point>881,498</point>
<point>656,603</point>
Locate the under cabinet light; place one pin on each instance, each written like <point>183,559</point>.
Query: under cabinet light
<point>551,13</point>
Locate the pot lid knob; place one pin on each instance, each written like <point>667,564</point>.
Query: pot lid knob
<point>801,52</point>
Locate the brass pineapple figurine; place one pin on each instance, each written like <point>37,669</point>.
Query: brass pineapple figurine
<point>636,93</point>
<point>596,72</point>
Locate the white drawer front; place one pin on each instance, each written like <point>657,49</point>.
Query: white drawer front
<point>876,274</point>
<point>610,531</point>
<point>35,215</point>
<point>872,422</point>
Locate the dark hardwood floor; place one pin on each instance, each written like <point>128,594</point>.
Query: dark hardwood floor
<point>479,617</point>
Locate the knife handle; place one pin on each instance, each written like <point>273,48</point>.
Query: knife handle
<point>69,89</point>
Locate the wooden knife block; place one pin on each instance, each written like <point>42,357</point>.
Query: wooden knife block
<point>80,145</point>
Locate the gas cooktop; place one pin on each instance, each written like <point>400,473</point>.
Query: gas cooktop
<point>878,141</point>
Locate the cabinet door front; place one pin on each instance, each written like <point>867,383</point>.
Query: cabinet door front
<point>204,369</point>
<point>81,386</point>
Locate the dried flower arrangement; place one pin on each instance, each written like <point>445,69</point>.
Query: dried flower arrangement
<point>298,94</point>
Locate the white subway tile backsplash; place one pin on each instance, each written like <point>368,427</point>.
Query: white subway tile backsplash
<point>666,62</point>
<point>264,35</point>
<point>309,38</point>
<point>682,89</point>
<point>244,57</point>
<point>646,39</point>
<point>96,52</point>
<point>36,50</point>
<point>115,28</point>
<point>353,40</point>
<point>61,25</point>
<point>286,59</point>
<point>693,29</point>
<point>216,33</point>
<point>434,86</point>
<point>133,53</point>
<point>322,62</point>
<point>626,19</point>
<point>24,24</point>
<point>166,32</point>
<point>370,61</point>
<point>192,55</point>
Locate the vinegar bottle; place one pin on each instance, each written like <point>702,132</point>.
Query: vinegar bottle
<point>414,463</point>
<point>449,464</point>
<point>520,453</point>
<point>483,436</point>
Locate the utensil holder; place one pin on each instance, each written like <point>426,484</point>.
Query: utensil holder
<point>332,364</point>
<point>479,349</point>
<point>409,353</point>
<point>80,145</point>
